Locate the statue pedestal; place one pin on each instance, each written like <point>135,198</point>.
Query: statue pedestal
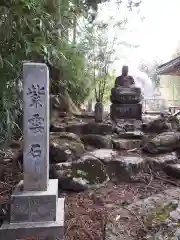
<point>126,95</point>
<point>126,103</point>
<point>126,111</point>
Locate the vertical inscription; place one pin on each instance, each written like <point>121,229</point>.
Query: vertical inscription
<point>36,126</point>
<point>35,93</point>
<point>36,123</point>
<point>35,152</point>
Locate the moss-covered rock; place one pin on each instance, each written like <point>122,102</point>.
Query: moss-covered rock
<point>97,141</point>
<point>161,124</point>
<point>87,171</point>
<point>65,147</point>
<point>163,142</point>
<point>153,215</point>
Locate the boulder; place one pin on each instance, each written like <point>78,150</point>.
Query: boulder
<point>98,128</point>
<point>137,134</point>
<point>164,142</point>
<point>86,172</point>
<point>125,144</point>
<point>105,155</point>
<point>65,181</point>
<point>65,147</point>
<point>125,168</point>
<point>57,126</point>
<point>161,160</point>
<point>97,141</point>
<point>81,128</point>
<point>161,124</point>
<point>119,167</point>
<point>173,170</point>
<point>76,127</point>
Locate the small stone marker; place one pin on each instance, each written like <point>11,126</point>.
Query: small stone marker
<point>36,211</point>
<point>36,126</point>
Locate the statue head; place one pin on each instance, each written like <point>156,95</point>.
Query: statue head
<point>125,71</point>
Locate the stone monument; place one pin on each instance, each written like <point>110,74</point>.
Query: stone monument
<point>126,103</point>
<point>36,212</point>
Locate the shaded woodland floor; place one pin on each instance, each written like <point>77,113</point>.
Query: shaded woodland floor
<point>86,213</point>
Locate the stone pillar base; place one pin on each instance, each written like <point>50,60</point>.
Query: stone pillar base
<point>53,230</point>
<point>36,215</point>
<point>126,111</point>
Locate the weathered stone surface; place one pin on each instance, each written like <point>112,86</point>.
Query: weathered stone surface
<point>120,168</point>
<point>68,184</point>
<point>99,112</point>
<point>156,212</point>
<point>131,134</point>
<point>161,124</point>
<point>57,126</point>
<point>126,111</point>
<point>98,128</point>
<point>125,95</point>
<point>97,141</point>
<point>36,126</point>
<point>124,168</point>
<point>65,147</point>
<point>87,115</point>
<point>34,206</point>
<point>89,128</point>
<point>105,155</point>
<point>161,160</point>
<point>173,170</point>
<point>164,142</point>
<point>87,171</point>
<point>42,230</point>
<point>77,128</point>
<point>125,144</point>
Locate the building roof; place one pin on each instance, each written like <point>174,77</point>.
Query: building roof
<point>170,68</point>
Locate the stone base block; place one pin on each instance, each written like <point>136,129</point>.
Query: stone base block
<point>123,95</point>
<point>126,111</point>
<point>34,206</point>
<point>36,231</point>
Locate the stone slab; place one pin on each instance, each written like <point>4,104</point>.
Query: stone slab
<point>36,231</point>
<point>34,206</point>
<point>126,111</point>
<point>36,126</point>
<point>125,95</point>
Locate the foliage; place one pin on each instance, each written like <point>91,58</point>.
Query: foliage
<point>100,57</point>
<point>40,31</point>
<point>26,33</point>
<point>30,31</point>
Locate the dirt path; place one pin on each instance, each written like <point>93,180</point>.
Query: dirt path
<point>86,213</point>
